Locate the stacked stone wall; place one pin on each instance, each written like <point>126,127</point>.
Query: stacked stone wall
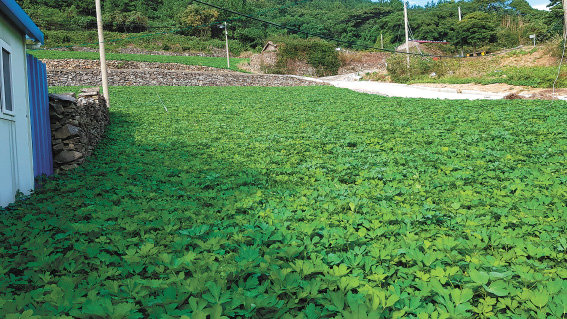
<point>77,125</point>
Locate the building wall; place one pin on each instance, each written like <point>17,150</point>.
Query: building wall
<point>16,158</point>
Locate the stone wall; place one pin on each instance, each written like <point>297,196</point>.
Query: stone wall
<point>260,62</point>
<point>171,78</point>
<point>77,125</point>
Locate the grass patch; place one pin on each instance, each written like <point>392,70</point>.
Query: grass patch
<point>299,202</point>
<point>537,77</point>
<point>215,62</point>
<point>151,41</point>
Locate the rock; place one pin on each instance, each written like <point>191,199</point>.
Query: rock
<point>95,90</point>
<point>77,125</point>
<point>88,92</point>
<point>66,131</point>
<point>67,156</point>
<point>58,147</point>
<point>170,78</point>
<point>63,97</point>
<point>58,108</point>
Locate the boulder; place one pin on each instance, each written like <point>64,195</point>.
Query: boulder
<point>67,156</point>
<point>66,131</point>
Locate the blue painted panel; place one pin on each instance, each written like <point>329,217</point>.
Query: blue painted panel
<point>39,117</point>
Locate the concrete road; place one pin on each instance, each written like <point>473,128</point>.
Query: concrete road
<point>413,91</point>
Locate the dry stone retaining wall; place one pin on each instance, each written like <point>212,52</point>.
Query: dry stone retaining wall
<point>170,78</point>
<point>78,64</point>
<point>77,125</point>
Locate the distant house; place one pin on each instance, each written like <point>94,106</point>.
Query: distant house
<point>270,47</point>
<point>16,147</point>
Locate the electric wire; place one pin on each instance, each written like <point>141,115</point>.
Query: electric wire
<point>322,36</point>
<point>206,25</point>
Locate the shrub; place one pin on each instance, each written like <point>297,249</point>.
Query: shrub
<point>318,53</point>
<point>60,19</point>
<point>125,21</point>
<point>419,67</point>
<point>554,47</point>
<point>195,16</point>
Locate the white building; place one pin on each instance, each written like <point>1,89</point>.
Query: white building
<point>16,158</point>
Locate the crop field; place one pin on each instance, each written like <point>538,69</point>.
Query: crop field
<point>215,62</point>
<point>304,202</point>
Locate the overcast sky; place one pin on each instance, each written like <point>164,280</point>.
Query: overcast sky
<point>538,4</point>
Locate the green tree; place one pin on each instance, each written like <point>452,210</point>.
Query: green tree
<point>195,16</point>
<point>476,29</point>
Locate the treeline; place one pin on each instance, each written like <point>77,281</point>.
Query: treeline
<point>359,23</point>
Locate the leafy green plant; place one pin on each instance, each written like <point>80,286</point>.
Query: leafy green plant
<point>285,203</point>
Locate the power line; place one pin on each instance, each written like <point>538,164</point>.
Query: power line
<point>322,36</point>
<point>206,25</point>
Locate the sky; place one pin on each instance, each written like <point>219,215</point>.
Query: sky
<point>538,4</point>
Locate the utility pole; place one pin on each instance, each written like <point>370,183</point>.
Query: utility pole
<point>407,33</point>
<point>460,18</point>
<point>381,41</point>
<point>564,20</point>
<point>103,71</point>
<point>226,40</point>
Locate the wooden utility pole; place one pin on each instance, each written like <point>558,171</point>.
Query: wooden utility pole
<point>564,20</point>
<point>226,40</point>
<point>103,71</point>
<point>381,41</point>
<point>460,18</point>
<point>407,32</point>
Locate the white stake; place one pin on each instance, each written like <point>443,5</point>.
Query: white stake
<point>102,53</point>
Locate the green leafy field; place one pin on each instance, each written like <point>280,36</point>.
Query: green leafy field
<point>307,202</point>
<point>188,60</point>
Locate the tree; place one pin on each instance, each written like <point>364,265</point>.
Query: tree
<point>196,16</point>
<point>476,29</point>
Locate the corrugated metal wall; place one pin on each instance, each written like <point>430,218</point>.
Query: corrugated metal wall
<point>39,116</point>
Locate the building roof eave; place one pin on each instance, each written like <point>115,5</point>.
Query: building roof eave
<point>21,20</point>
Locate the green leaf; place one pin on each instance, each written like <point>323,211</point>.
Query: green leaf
<point>339,271</point>
<point>499,288</point>
<point>338,299</point>
<point>27,314</point>
<point>461,296</point>
<point>392,300</point>
<point>539,298</point>
<point>479,277</point>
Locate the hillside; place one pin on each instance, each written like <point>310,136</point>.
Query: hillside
<point>358,24</point>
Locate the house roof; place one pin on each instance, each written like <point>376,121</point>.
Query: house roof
<point>270,43</point>
<point>20,19</point>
